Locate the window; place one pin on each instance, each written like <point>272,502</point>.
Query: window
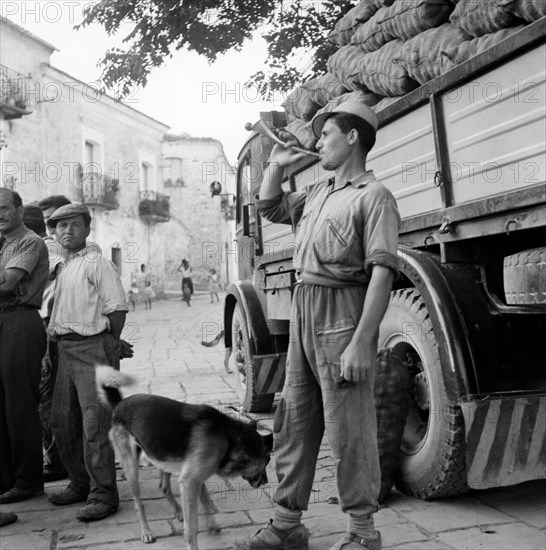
<point>92,152</point>
<point>172,173</point>
<point>89,152</point>
<point>147,172</point>
<point>145,176</point>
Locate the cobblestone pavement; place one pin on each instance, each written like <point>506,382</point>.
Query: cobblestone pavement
<point>169,360</point>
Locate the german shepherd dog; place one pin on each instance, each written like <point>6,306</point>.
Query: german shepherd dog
<point>191,441</point>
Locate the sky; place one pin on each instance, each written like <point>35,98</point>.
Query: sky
<point>187,93</point>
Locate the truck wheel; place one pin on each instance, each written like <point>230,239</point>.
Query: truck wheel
<point>432,460</point>
<point>243,364</point>
<point>525,277</point>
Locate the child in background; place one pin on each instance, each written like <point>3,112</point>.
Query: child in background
<point>133,295</point>
<point>149,295</point>
<point>214,287</point>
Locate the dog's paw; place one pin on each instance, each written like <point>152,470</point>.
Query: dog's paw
<point>147,536</point>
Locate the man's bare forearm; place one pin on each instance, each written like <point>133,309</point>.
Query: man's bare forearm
<point>272,181</point>
<point>8,282</point>
<point>117,322</point>
<point>4,291</point>
<point>375,304</point>
<point>280,157</point>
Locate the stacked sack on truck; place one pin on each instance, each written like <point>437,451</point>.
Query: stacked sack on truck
<point>387,48</point>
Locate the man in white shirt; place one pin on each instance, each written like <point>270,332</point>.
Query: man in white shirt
<point>88,315</point>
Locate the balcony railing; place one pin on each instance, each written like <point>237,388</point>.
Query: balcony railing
<point>14,93</point>
<point>154,207</point>
<point>99,190</point>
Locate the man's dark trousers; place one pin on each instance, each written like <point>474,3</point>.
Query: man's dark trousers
<point>52,460</point>
<point>80,421</point>
<point>22,346</point>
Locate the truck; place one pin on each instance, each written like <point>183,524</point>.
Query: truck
<point>464,155</point>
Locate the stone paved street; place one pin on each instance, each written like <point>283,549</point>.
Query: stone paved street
<point>169,360</point>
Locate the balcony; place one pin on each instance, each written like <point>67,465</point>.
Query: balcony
<point>154,207</point>
<point>14,94</point>
<point>98,190</point>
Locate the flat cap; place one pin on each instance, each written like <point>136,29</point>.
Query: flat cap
<point>69,211</point>
<point>352,107</point>
<point>32,214</point>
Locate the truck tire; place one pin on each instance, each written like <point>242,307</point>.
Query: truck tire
<point>525,277</point>
<point>432,458</point>
<point>243,364</point>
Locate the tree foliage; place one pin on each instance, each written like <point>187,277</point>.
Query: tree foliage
<point>295,32</point>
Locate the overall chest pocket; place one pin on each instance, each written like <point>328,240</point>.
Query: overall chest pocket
<point>334,241</point>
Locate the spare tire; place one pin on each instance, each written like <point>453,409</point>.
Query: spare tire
<point>391,395</point>
<point>525,277</point>
<point>432,459</point>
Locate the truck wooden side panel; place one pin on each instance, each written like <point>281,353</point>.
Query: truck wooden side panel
<point>404,160</point>
<point>496,129</point>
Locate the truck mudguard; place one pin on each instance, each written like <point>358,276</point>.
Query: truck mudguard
<point>244,293</point>
<point>425,274</point>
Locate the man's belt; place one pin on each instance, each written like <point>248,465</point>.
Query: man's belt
<point>18,307</point>
<point>76,336</point>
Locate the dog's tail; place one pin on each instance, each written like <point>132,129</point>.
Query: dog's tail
<point>109,381</point>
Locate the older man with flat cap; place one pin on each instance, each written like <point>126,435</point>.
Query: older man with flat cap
<point>346,237</point>
<point>89,310</point>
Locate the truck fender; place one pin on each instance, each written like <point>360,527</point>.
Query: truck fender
<point>423,272</point>
<point>244,293</point>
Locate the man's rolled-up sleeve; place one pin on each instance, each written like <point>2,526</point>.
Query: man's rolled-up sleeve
<point>29,253</point>
<point>110,288</point>
<point>381,237</point>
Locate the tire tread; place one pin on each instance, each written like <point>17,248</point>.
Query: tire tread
<point>450,476</point>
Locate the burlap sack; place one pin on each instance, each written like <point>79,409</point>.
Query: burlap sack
<point>483,17</point>
<point>422,56</point>
<point>300,104</point>
<point>469,48</point>
<point>385,102</point>
<point>367,98</point>
<point>407,18</point>
<point>382,72</point>
<point>370,36</point>
<point>344,62</point>
<point>347,25</point>
<point>324,88</point>
<point>301,130</point>
<point>529,10</point>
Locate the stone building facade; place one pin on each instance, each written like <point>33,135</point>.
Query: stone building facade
<point>205,223</point>
<point>62,136</point>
